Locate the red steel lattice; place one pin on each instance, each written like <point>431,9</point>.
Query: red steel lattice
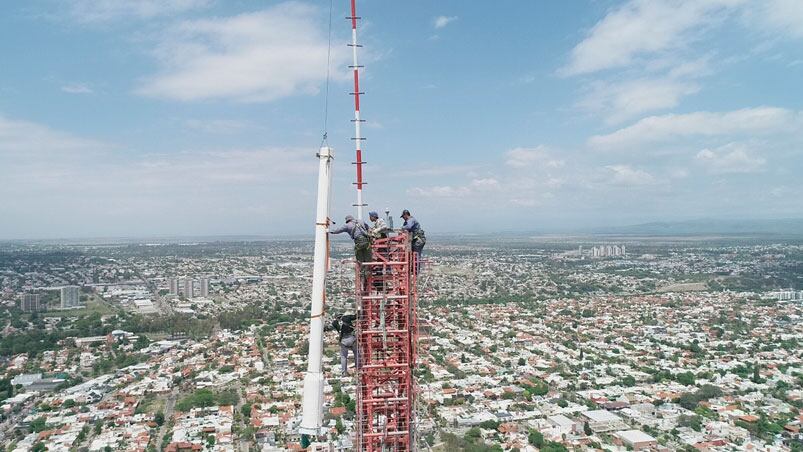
<point>387,331</point>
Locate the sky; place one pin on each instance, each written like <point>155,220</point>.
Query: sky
<point>145,118</point>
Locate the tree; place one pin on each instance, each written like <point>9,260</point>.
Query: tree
<point>201,398</point>
<point>228,397</point>
<point>688,400</point>
<point>756,375</point>
<point>685,378</point>
<point>38,424</point>
<point>81,435</point>
<point>709,392</point>
<point>694,422</point>
<point>141,342</point>
<point>536,438</point>
<point>587,429</point>
<point>159,418</point>
<point>522,362</point>
<point>69,403</point>
<point>39,447</point>
<point>490,425</point>
<point>339,426</point>
<point>246,409</point>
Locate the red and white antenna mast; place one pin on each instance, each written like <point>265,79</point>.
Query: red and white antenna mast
<point>358,139</point>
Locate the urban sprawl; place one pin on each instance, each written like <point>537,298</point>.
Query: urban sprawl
<point>526,343</point>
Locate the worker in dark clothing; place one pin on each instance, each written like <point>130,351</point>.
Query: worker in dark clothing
<point>358,231</point>
<point>419,239</point>
<point>344,325</point>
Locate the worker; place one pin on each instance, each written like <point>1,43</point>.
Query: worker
<point>380,229</point>
<point>417,236</point>
<point>358,231</point>
<point>344,325</point>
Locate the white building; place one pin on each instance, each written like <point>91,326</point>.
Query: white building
<point>69,297</point>
<point>636,439</point>
<point>603,421</point>
<point>31,302</point>
<point>188,286</point>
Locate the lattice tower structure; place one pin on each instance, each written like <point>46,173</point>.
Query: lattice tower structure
<point>387,331</point>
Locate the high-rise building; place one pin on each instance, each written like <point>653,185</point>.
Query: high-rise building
<point>31,302</point>
<point>173,283</point>
<point>69,296</point>
<point>188,282</point>
<point>204,287</point>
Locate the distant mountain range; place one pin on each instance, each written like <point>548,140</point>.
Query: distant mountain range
<point>785,227</point>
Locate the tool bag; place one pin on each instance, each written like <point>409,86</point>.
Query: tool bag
<point>419,238</point>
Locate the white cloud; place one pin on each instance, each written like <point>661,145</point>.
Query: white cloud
<point>95,11</point>
<point>50,173</point>
<point>622,101</point>
<point>485,184</point>
<point>642,28</point>
<point>437,170</point>
<point>626,175</point>
<point>760,120</point>
<point>697,68</point>
<point>27,139</point>
<point>254,57</point>
<point>530,176</point>
<point>440,191</point>
<point>655,46</point>
<point>528,157</point>
<point>37,146</point>
<point>731,158</point>
<point>77,88</point>
<point>785,16</point>
<point>442,21</point>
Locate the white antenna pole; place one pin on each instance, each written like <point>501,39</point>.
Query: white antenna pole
<point>358,139</point>
<point>312,418</point>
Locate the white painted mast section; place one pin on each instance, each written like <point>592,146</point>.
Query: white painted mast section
<point>358,139</point>
<point>312,417</point>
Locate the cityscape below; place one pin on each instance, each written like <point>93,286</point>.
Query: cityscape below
<point>526,343</point>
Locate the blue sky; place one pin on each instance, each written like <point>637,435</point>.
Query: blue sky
<point>195,117</point>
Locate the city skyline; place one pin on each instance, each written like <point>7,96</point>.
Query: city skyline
<point>199,117</point>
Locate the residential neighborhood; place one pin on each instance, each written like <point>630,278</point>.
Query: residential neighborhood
<point>674,346</point>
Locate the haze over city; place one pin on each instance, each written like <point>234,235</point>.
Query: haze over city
<point>118,118</point>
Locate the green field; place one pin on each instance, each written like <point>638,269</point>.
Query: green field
<point>95,304</point>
